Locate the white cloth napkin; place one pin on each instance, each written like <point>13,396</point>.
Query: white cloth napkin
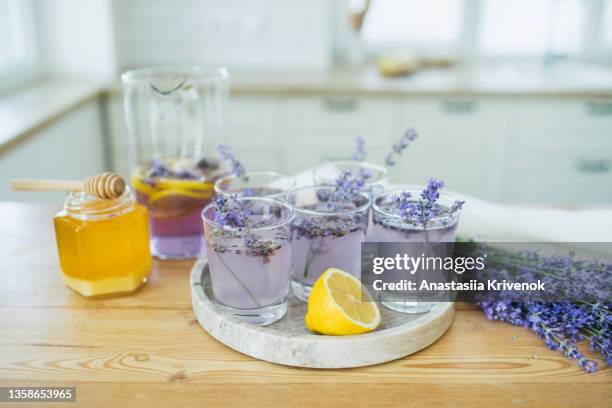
<point>499,222</point>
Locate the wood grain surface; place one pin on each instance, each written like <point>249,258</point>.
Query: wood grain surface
<point>147,350</point>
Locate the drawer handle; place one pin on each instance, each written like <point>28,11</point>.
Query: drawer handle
<point>599,108</point>
<point>340,105</point>
<point>456,107</point>
<point>594,166</point>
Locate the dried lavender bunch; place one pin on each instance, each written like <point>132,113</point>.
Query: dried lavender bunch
<point>408,137</point>
<point>360,153</point>
<point>562,324</point>
<point>225,152</point>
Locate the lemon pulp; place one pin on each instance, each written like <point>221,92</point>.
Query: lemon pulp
<point>339,305</point>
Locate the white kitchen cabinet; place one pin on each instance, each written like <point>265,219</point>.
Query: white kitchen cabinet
<point>560,151</point>
<point>319,128</point>
<point>460,141</point>
<point>253,132</point>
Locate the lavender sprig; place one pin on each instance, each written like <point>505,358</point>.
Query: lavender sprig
<point>348,187</point>
<point>424,209</point>
<point>408,137</point>
<point>225,152</point>
<point>232,213</point>
<point>457,206</point>
<point>229,213</point>
<point>258,247</point>
<point>360,153</point>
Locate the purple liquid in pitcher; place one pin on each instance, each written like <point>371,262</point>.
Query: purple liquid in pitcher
<point>175,192</point>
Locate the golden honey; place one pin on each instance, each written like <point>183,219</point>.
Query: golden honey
<point>103,245</point>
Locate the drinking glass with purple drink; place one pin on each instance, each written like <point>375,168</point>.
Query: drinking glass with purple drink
<point>249,250</point>
<point>420,217</point>
<point>328,230</point>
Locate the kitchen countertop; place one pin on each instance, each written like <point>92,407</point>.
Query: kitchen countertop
<point>513,79</point>
<point>148,348</point>
<point>563,79</point>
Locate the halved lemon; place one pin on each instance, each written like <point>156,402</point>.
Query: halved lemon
<point>339,305</point>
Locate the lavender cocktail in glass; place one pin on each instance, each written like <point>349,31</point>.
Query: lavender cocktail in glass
<point>255,184</point>
<point>327,234</point>
<point>405,215</point>
<point>249,250</point>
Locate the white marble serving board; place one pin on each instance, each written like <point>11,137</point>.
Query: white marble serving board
<point>288,341</point>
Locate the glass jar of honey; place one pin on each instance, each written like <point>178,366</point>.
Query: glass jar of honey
<point>103,245</point>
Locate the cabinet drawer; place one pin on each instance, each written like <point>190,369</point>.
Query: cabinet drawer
<point>579,177</point>
<point>333,122</point>
<point>564,125</point>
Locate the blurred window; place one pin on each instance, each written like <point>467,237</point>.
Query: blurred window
<point>414,22</point>
<point>17,45</point>
<point>606,27</point>
<point>490,28</point>
<point>531,27</point>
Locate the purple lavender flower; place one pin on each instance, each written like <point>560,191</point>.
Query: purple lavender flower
<point>457,206</point>
<point>424,209</point>
<point>258,247</point>
<point>229,212</point>
<point>408,137</point>
<point>348,187</point>
<point>225,152</point>
<point>158,169</point>
<point>360,152</point>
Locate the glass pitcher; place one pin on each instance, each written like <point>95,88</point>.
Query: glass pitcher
<point>175,119</point>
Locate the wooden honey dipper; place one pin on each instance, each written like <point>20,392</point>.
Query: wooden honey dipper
<point>103,185</point>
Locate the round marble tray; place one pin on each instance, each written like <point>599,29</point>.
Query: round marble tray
<point>289,342</point>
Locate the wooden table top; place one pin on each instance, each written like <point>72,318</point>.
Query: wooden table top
<point>148,350</point>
